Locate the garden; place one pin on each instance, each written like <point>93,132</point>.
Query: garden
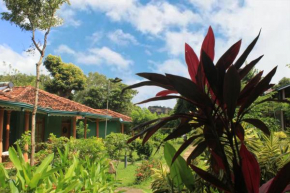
<point>220,137</point>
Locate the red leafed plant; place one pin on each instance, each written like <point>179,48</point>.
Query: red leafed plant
<point>215,89</point>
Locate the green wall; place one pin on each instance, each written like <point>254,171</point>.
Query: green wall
<point>53,125</point>
<point>113,127</point>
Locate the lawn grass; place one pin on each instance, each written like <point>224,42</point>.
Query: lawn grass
<point>126,176</point>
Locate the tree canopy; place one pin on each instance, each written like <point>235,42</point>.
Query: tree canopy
<point>142,115</point>
<point>30,15</point>
<point>96,92</point>
<point>66,76</point>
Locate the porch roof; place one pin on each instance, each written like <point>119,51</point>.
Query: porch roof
<point>23,97</point>
<point>116,115</point>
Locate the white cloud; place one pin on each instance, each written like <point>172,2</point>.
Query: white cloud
<point>212,5</point>
<point>171,66</point>
<point>148,52</point>
<point>115,10</point>
<point>23,62</point>
<point>175,41</point>
<point>236,21</point>
<point>111,57</point>
<point>153,17</point>
<point>245,22</point>
<point>68,15</point>
<point>95,37</point>
<point>64,49</point>
<point>121,38</point>
<point>2,6</point>
<point>97,56</point>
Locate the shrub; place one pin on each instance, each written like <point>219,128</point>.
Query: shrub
<point>92,147</point>
<point>116,144</point>
<point>143,151</point>
<point>144,171</point>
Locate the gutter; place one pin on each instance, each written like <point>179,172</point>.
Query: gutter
<point>51,112</point>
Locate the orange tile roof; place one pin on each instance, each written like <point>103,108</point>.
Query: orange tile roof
<point>117,115</point>
<point>26,94</point>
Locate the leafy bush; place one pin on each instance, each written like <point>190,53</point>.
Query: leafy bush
<point>92,147</point>
<point>144,171</point>
<point>25,140</point>
<point>69,175</point>
<point>221,108</point>
<point>116,144</point>
<point>143,151</point>
<point>81,129</point>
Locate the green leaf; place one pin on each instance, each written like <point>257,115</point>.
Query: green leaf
<point>70,171</point>
<point>13,188</point>
<point>14,158</point>
<point>44,164</point>
<point>34,181</point>
<point>179,171</point>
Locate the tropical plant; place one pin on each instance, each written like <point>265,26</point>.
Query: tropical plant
<point>28,178</point>
<point>221,108</point>
<point>70,174</point>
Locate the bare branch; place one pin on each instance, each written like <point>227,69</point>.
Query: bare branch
<point>34,42</point>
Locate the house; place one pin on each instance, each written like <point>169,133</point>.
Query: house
<point>55,115</point>
<point>283,93</point>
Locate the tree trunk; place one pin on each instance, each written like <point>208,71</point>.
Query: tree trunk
<point>35,110</point>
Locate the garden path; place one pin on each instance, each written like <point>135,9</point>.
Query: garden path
<point>188,152</point>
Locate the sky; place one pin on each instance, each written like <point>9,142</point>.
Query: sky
<point>119,38</point>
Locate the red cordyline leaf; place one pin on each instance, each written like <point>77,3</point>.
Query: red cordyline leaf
<point>218,160</point>
<point>281,182</point>
<point>265,187</point>
<point>250,169</point>
<point>191,61</point>
<point>208,44</point>
<point>166,92</point>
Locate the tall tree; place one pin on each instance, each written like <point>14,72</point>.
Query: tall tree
<point>66,77</point>
<point>33,15</point>
<point>96,94</point>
